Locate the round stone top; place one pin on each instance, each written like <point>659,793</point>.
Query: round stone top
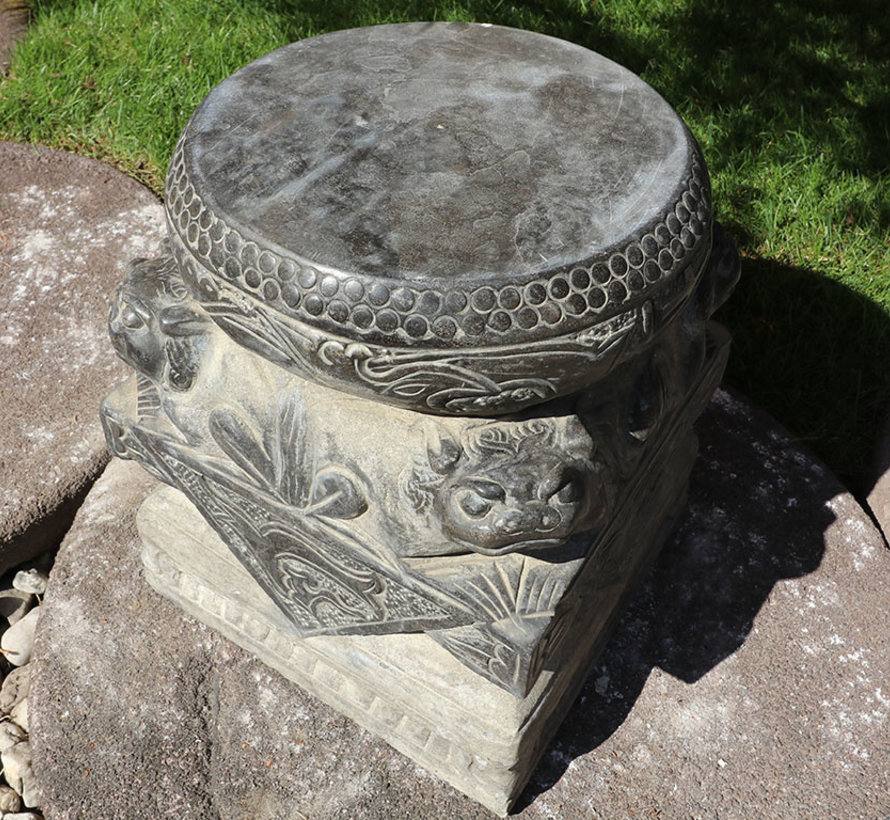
<point>437,152</point>
<point>437,186</point>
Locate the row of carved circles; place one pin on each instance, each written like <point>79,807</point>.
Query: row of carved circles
<point>300,289</point>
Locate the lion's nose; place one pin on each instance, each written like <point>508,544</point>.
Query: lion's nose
<point>534,517</point>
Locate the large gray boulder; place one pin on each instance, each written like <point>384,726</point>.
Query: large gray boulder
<point>68,226</point>
<point>747,678</point>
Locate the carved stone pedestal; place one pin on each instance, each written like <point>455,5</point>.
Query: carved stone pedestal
<point>422,355</point>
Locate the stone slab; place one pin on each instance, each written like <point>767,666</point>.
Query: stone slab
<point>482,736</point>
<point>407,688</point>
<point>68,226</point>
<point>746,679</point>
<point>435,152</point>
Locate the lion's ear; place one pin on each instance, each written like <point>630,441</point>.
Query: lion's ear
<point>181,320</point>
<point>442,450</point>
<point>577,439</point>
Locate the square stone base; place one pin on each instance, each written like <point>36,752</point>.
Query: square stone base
<point>405,687</point>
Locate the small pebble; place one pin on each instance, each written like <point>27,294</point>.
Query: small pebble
<point>30,580</point>
<point>9,801</point>
<point>24,815</point>
<point>19,774</point>
<point>19,714</point>
<point>10,735</point>
<point>15,760</point>
<point>18,641</point>
<point>14,604</point>
<point>15,688</point>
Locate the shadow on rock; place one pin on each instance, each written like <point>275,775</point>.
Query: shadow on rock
<point>757,514</point>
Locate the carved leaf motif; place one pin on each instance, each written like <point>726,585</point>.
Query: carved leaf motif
<point>289,451</point>
<point>504,663</point>
<point>484,653</point>
<point>322,582</point>
<point>335,495</point>
<point>514,588</point>
<point>237,439</point>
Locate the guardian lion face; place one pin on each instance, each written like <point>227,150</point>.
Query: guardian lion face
<point>508,486</point>
<point>152,326</point>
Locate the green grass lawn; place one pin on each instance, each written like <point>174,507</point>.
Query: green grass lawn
<point>789,100</point>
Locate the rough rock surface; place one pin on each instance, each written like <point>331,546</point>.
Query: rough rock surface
<point>747,679</point>
<point>68,226</point>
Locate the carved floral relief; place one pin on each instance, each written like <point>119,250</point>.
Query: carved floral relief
<point>360,517</point>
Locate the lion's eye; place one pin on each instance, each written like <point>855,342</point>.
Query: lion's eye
<point>474,505</point>
<point>487,489</point>
<point>130,318</point>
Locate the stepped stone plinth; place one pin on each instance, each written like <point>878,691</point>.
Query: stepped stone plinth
<point>420,359</point>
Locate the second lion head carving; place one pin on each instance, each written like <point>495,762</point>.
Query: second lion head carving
<point>508,486</point>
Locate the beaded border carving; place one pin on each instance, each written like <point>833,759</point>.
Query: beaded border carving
<point>391,312</point>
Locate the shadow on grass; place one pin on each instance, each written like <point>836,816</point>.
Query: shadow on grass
<point>739,537</point>
<point>814,353</point>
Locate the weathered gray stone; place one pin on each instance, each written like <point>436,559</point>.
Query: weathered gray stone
<point>469,220</point>
<point>30,580</point>
<point>377,211</point>
<point>460,152</point>
<point>18,640</point>
<point>745,680</point>
<point>67,226</point>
